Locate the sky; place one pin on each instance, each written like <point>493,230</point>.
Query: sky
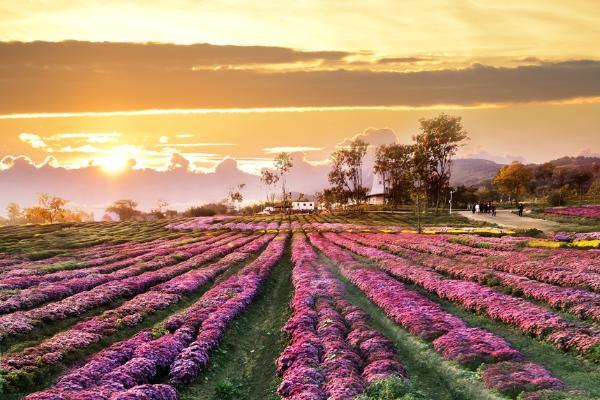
<point>182,99</point>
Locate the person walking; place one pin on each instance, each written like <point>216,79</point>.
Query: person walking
<point>473,208</point>
<point>477,208</point>
<point>493,207</point>
<point>521,207</point>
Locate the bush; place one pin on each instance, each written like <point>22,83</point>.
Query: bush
<point>394,388</point>
<point>227,390</point>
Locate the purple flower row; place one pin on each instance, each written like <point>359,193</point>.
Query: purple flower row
<point>128,314</point>
<point>31,275</point>
<point>128,371</point>
<point>22,322</point>
<point>78,281</point>
<point>528,317</point>
<point>333,352</point>
<point>580,302</point>
<point>422,317</point>
<point>584,212</point>
<point>565,267</point>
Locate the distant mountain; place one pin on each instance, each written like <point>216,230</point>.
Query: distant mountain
<point>473,172</point>
<point>575,162</point>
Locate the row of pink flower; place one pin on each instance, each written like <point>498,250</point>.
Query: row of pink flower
<point>530,318</point>
<point>128,314</point>
<point>580,302</point>
<point>126,370</point>
<point>30,274</point>
<point>93,256</point>
<point>199,222</point>
<point>333,353</point>
<point>585,212</point>
<point>22,322</point>
<point>564,267</point>
<point>426,319</point>
<point>79,281</point>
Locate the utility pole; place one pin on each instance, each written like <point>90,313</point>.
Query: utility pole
<point>418,187</point>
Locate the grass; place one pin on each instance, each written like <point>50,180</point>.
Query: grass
<point>569,224</point>
<point>243,365</point>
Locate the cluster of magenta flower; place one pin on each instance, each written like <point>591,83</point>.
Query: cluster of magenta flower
<point>22,322</point>
<point>55,286</point>
<point>333,352</point>
<point>128,314</point>
<point>580,302</point>
<point>582,212</point>
<point>528,317</point>
<point>450,335</point>
<point>128,369</point>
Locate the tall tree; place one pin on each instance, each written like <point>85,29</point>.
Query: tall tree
<point>14,212</point>
<point>394,163</point>
<point>235,196</point>
<point>269,179</point>
<point>346,173</point>
<point>513,180</point>
<point>283,165</point>
<point>125,209</point>
<point>435,145</point>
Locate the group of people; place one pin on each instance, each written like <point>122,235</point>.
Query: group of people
<point>487,208</point>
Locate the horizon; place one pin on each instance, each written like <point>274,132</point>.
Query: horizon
<point>176,94</point>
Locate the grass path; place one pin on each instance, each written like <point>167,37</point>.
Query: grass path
<point>243,366</point>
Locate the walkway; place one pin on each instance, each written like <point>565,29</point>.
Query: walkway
<point>507,219</point>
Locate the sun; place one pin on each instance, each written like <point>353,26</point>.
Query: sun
<point>113,164</point>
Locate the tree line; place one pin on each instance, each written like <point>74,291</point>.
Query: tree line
<point>420,169</point>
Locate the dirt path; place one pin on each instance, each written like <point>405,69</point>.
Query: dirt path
<point>507,219</point>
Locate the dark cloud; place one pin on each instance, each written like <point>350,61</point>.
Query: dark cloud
<point>402,60</point>
<point>63,84</point>
<point>158,55</point>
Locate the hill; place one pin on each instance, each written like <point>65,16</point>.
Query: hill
<point>473,172</point>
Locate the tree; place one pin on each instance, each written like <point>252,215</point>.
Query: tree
<point>161,209</point>
<point>54,207</point>
<point>283,165</point>
<point>125,209</point>
<point>235,195</point>
<point>435,145</point>
<point>14,213</point>
<point>394,163</point>
<point>270,179</point>
<point>581,180</point>
<point>346,173</point>
<point>513,180</point>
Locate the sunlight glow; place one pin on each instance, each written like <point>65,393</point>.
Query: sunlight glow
<point>114,163</point>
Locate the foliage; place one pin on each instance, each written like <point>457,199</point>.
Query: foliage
<point>514,180</point>
<point>125,209</point>
<point>206,210</point>
<point>346,173</point>
<point>394,163</point>
<point>435,145</point>
<point>394,388</point>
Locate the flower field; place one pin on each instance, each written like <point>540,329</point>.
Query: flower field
<point>299,308</point>
<point>582,212</point>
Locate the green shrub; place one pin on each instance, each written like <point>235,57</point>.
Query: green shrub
<point>394,388</point>
<point>227,390</point>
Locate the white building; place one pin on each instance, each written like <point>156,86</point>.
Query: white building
<point>303,205</point>
<point>376,195</point>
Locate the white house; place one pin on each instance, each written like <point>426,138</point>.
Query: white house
<point>303,205</point>
<point>376,195</point>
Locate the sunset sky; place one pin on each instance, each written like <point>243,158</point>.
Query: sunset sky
<point>107,93</point>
